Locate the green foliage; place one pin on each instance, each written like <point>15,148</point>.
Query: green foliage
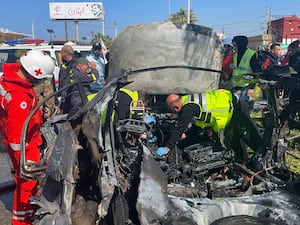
<point>294,148</point>
<point>238,81</point>
<point>105,38</point>
<point>181,17</point>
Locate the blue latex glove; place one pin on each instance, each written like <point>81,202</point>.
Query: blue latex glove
<point>149,120</point>
<point>152,139</point>
<point>162,151</point>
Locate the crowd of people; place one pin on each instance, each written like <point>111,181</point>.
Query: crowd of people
<point>226,110</point>
<point>23,82</point>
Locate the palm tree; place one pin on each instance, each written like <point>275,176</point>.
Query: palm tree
<point>181,16</point>
<point>105,38</point>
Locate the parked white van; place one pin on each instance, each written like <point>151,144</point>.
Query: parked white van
<point>7,52</point>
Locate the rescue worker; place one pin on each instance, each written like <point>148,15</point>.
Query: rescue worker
<point>43,89</point>
<point>218,109</point>
<point>127,97</point>
<point>68,64</point>
<point>18,98</point>
<point>245,61</point>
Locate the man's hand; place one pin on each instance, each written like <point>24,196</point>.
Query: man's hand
<point>92,65</point>
<point>162,151</point>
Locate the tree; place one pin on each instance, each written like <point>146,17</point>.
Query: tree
<point>105,38</point>
<point>181,16</point>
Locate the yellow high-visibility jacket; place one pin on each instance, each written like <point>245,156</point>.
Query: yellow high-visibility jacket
<point>216,108</point>
<point>244,65</point>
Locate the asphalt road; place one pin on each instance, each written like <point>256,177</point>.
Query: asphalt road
<point>5,195</point>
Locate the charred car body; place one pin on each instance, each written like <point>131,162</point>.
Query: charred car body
<point>106,172</point>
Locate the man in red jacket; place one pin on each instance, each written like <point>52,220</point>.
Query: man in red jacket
<point>227,64</point>
<point>17,99</point>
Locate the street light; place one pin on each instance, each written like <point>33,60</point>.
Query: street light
<point>50,31</point>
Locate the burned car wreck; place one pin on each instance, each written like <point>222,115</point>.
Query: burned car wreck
<point>104,171</point>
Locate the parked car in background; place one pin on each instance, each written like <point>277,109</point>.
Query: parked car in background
<point>7,51</point>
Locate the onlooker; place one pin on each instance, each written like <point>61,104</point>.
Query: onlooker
<point>97,61</point>
<point>78,94</point>
<point>273,57</point>
<point>294,63</point>
<point>294,57</point>
<point>18,98</point>
<point>227,64</point>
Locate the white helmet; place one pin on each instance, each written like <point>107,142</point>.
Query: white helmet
<point>227,41</point>
<point>38,64</point>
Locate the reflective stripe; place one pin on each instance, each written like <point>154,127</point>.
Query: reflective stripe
<point>18,218</point>
<point>91,96</point>
<point>15,147</point>
<point>5,95</point>
<point>203,102</point>
<point>205,117</point>
<point>22,213</point>
<point>195,98</point>
<point>94,77</point>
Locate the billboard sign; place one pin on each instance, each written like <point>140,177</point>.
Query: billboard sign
<point>76,10</point>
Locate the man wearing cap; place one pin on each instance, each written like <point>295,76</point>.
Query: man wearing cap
<point>97,62</point>
<point>84,76</point>
<point>18,99</point>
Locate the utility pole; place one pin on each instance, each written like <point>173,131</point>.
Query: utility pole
<point>116,29</point>
<point>189,12</point>
<point>66,30</point>
<point>102,20</point>
<point>76,31</point>
<point>268,14</point>
<point>32,28</point>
